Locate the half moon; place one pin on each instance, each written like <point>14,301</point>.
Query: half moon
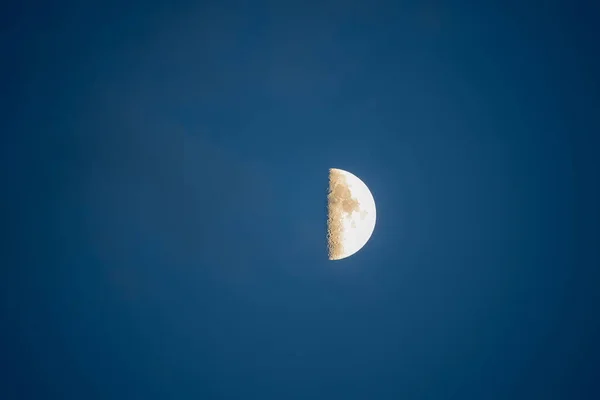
<point>350,214</point>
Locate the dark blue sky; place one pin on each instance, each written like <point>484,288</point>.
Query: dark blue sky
<point>165,170</point>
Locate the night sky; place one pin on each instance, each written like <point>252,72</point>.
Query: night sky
<point>165,166</point>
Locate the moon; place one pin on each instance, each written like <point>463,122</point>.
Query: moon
<point>351,214</point>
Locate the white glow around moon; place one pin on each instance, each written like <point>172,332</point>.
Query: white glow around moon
<point>351,214</point>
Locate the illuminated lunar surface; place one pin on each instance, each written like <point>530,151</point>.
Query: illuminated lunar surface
<point>350,214</point>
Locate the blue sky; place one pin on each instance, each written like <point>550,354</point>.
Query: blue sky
<point>165,168</point>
